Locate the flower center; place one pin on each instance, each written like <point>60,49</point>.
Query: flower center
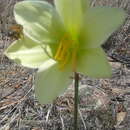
<point>65,52</point>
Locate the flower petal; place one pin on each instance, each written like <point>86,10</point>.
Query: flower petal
<point>40,21</point>
<point>72,11</point>
<point>27,52</point>
<point>93,62</point>
<point>50,82</point>
<point>99,24</point>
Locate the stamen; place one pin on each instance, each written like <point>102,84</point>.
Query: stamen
<point>62,49</point>
<point>62,65</point>
<point>57,56</point>
<point>65,50</point>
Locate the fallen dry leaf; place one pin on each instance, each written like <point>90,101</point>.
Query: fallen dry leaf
<point>120,117</point>
<point>120,91</point>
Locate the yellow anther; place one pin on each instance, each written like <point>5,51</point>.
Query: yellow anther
<point>57,56</point>
<point>62,49</point>
<point>65,50</point>
<point>62,65</point>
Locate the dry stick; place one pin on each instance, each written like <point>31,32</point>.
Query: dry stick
<point>76,85</point>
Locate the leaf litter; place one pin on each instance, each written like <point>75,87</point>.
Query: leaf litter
<point>104,104</point>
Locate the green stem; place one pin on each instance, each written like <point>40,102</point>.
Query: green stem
<point>76,85</point>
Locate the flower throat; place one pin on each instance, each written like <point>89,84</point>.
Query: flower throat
<point>66,52</point>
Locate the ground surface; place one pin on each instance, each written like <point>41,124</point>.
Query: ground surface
<point>104,104</point>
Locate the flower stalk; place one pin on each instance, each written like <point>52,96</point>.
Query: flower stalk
<point>76,99</point>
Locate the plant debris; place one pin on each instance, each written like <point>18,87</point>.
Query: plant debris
<point>104,103</point>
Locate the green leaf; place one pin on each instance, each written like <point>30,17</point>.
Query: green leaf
<point>50,81</point>
<point>99,24</point>
<point>93,63</point>
<point>71,12</point>
<point>27,52</point>
<point>40,21</point>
